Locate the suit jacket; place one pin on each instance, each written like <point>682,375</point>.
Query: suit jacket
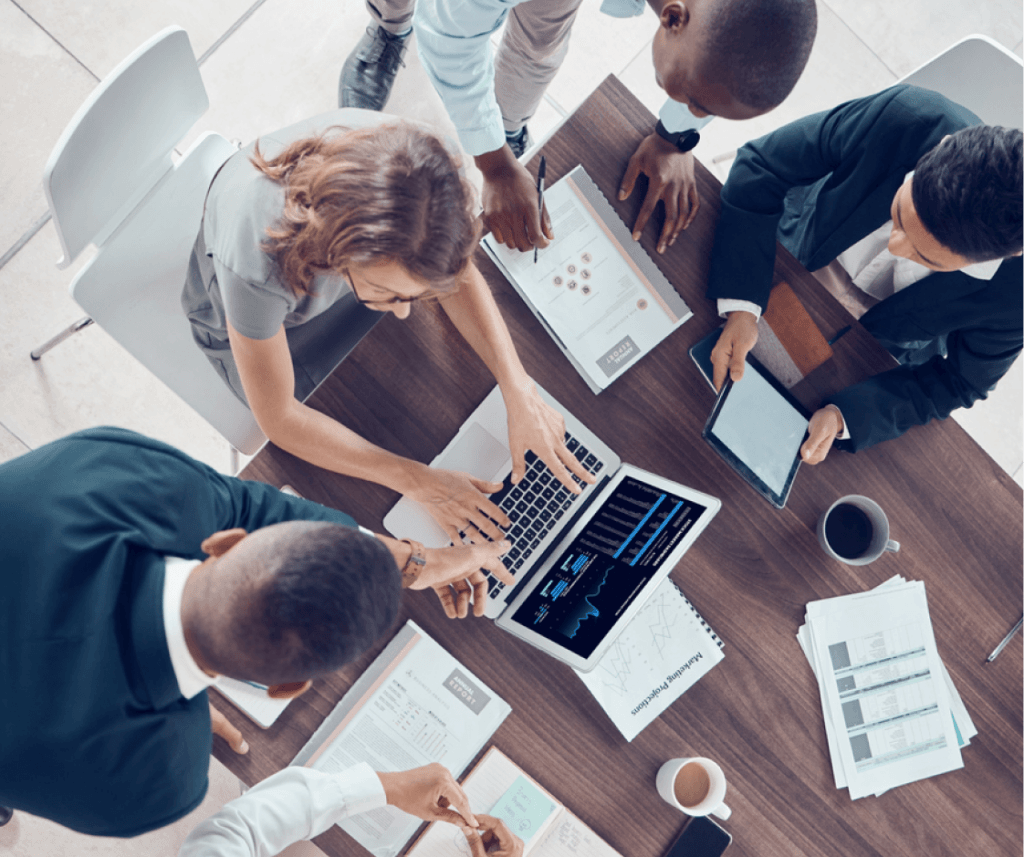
<point>821,184</point>
<point>94,732</point>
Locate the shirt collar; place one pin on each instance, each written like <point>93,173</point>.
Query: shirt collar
<point>191,679</point>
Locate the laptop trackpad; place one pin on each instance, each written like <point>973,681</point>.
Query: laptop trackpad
<point>479,454</point>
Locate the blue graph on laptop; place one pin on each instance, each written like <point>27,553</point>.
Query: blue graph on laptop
<point>587,610</point>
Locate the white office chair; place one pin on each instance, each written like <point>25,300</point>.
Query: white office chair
<point>112,181</point>
<point>980,74</point>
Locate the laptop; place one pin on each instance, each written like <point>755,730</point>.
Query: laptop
<point>584,564</point>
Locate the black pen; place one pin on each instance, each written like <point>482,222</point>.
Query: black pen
<point>540,199</point>
<point>1006,640</point>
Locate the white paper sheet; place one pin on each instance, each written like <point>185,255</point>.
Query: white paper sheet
<point>882,688</point>
<point>422,707</point>
<point>662,653</point>
<point>601,297</point>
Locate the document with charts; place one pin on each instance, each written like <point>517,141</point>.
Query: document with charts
<point>887,702</point>
<point>415,705</point>
<point>662,653</point>
<point>600,296</point>
<point>499,787</point>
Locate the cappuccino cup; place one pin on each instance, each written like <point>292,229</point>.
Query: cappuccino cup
<point>855,530</point>
<point>694,785</point>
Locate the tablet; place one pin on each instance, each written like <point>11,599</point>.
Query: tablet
<point>607,566</point>
<point>758,428</point>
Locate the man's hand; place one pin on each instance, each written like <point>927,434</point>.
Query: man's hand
<point>510,202</point>
<point>738,336</point>
<point>430,793</point>
<point>533,424</point>
<point>670,179</point>
<point>495,839</point>
<point>825,426</point>
<point>458,502</point>
<point>454,573</point>
<point>222,726</point>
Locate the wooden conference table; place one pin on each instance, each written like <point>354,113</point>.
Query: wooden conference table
<point>411,384</point>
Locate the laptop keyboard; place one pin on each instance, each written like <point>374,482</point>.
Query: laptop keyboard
<point>535,506</point>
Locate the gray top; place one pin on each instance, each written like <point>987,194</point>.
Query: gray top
<point>239,281</point>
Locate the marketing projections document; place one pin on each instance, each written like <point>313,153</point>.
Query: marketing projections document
<point>415,705</point>
<point>597,292</point>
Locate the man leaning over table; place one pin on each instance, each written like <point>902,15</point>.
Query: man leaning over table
<point>132,576</point>
<point>730,58</point>
<point>920,207</point>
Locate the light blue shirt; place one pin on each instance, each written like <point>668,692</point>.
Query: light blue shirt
<point>454,40</point>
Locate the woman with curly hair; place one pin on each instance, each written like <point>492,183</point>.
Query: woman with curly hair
<point>298,229</point>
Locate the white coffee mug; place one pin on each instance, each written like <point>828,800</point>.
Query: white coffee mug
<point>711,804</point>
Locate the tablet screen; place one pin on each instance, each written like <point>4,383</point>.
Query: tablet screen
<point>607,565</point>
<point>761,428</point>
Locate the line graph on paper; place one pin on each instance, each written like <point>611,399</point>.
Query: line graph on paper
<point>643,649</point>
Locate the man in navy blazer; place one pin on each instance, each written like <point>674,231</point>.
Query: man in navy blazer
<point>131,576</point>
<point>922,206</point>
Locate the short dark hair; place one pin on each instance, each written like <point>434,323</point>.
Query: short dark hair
<point>320,598</point>
<point>758,48</point>
<point>967,192</point>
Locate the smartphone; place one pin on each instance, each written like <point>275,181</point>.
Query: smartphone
<point>700,838</point>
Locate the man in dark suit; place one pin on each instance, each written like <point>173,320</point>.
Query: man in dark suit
<point>938,251</point>
<point>112,622</point>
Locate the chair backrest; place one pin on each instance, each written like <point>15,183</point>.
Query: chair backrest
<point>132,288</point>
<point>980,74</point>
<point>120,142</point>
<point>112,181</point>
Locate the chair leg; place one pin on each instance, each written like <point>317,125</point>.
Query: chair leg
<point>81,324</point>
<point>235,462</point>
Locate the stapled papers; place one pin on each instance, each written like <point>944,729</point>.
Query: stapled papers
<point>892,715</point>
<point>596,291</point>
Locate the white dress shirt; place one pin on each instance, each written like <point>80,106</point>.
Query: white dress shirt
<point>191,679</point>
<point>454,41</point>
<point>293,804</point>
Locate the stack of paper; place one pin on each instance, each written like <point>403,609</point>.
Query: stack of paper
<point>892,715</point>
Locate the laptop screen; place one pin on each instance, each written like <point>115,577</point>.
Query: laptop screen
<point>607,565</point>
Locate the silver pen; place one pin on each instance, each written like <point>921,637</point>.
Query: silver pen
<point>1006,640</point>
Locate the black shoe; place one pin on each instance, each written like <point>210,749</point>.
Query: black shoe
<point>369,71</point>
<point>5,815</point>
<point>518,141</point>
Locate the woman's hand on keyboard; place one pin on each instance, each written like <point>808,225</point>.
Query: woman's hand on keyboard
<point>459,504</point>
<point>456,573</point>
<point>534,424</point>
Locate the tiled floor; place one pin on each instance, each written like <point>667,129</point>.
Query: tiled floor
<point>268,63</point>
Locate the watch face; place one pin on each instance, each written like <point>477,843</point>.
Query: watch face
<point>688,140</point>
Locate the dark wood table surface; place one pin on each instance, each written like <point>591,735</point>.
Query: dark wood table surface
<point>957,514</point>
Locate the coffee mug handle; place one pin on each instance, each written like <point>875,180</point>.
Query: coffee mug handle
<point>892,545</point>
<point>722,811</point>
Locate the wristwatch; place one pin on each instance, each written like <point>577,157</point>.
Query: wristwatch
<point>414,564</point>
<point>682,140</point>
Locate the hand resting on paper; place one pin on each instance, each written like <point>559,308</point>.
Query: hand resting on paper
<point>493,840</point>
<point>509,199</point>
<point>825,426</point>
<point>730,352</point>
<point>430,793</point>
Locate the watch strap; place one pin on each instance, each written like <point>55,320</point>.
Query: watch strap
<point>415,564</point>
<point>682,140</point>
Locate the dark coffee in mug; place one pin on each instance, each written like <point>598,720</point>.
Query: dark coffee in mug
<point>848,531</point>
